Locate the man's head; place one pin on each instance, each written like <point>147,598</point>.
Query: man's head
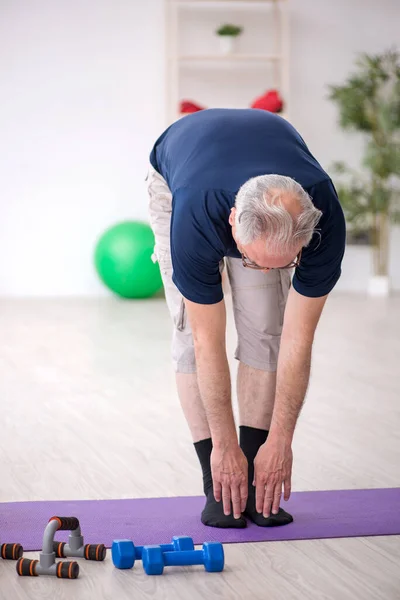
<point>273,219</point>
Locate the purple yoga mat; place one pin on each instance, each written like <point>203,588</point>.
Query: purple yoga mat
<point>327,514</point>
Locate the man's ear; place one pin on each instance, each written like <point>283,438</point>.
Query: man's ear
<point>232,216</point>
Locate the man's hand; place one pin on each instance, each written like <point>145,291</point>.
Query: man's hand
<point>272,468</point>
<point>229,473</point>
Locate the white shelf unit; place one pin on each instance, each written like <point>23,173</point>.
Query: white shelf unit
<point>195,69</point>
<point>229,57</point>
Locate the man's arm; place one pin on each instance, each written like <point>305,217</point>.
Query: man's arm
<point>208,323</point>
<point>301,319</point>
<point>229,466</point>
<point>273,464</point>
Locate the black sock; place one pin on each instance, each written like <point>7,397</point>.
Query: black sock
<point>250,441</point>
<point>213,512</point>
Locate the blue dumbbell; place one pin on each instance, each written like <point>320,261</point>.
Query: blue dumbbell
<point>124,552</point>
<point>211,556</point>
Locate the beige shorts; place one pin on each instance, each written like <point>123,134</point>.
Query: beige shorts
<point>258,298</point>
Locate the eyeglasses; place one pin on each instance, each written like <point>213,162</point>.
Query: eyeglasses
<point>250,265</point>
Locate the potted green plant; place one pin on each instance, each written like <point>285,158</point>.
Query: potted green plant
<point>227,35</point>
<point>369,103</point>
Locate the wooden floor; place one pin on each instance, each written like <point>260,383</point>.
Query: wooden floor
<point>89,410</point>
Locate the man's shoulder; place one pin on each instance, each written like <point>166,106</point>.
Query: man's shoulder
<point>200,219</point>
<point>323,192</point>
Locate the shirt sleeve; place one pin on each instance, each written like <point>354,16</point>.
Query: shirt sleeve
<point>196,247</point>
<point>320,265</point>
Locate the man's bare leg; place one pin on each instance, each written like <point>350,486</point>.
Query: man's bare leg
<point>256,397</point>
<point>193,409</point>
<point>192,406</point>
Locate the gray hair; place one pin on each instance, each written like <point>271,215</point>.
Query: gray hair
<point>260,213</point>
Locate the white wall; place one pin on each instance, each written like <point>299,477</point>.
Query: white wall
<point>357,266</point>
<point>82,100</point>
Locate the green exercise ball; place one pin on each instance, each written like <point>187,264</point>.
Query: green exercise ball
<point>123,260</point>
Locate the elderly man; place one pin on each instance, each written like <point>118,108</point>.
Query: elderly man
<point>239,188</point>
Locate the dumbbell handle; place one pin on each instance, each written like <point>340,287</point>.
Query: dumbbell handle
<point>184,557</point>
<point>164,548</point>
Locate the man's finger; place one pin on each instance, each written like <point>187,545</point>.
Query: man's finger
<point>244,492</point>
<point>217,491</point>
<point>268,498</point>
<point>287,488</point>
<point>226,499</point>
<point>277,498</point>
<point>236,503</point>
<point>260,493</point>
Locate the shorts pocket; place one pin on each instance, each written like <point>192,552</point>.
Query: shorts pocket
<point>181,317</point>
